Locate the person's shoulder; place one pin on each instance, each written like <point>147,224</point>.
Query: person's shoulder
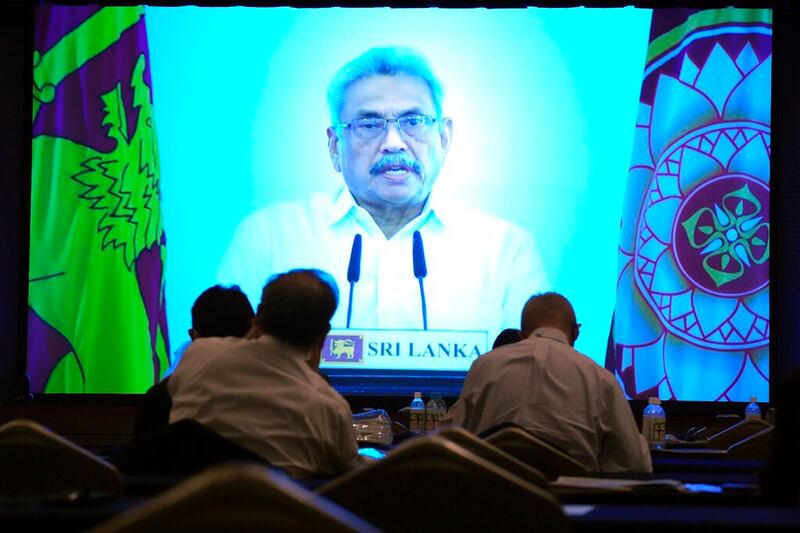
<point>326,398</point>
<point>603,374</point>
<point>199,348</point>
<point>216,347</point>
<point>502,355</point>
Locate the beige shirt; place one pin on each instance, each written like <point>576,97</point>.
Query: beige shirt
<point>263,395</point>
<point>560,395</point>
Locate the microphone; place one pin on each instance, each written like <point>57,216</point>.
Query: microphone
<point>353,272</point>
<point>420,271</point>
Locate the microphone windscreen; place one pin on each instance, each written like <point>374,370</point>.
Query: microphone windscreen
<point>420,267</point>
<point>354,269</point>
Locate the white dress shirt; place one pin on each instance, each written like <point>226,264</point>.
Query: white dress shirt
<point>559,395</point>
<point>481,269</point>
<point>263,395</point>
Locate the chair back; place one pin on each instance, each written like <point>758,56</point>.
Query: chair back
<point>739,431</point>
<point>243,497</point>
<point>756,447</point>
<point>474,444</point>
<point>432,484</point>
<point>37,463</point>
<point>183,448</point>
<point>535,452</point>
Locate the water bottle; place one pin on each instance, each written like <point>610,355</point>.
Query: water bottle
<point>416,414</point>
<point>654,424</point>
<point>442,409</point>
<point>434,412</point>
<point>752,410</point>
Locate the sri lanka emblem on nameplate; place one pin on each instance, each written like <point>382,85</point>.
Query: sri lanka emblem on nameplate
<point>343,349</point>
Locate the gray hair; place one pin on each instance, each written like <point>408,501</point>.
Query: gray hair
<point>389,61</point>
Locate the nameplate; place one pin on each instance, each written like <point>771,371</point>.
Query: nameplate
<point>403,349</point>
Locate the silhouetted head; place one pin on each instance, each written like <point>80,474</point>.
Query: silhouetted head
<point>507,336</point>
<point>552,310</point>
<point>221,312</point>
<point>297,307</point>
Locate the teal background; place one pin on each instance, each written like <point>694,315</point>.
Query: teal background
<point>543,103</point>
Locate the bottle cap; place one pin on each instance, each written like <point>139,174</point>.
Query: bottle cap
<point>653,400</point>
<point>753,399</point>
<point>417,395</point>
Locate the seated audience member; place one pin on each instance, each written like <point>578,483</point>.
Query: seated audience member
<point>560,395</point>
<point>507,336</point>
<point>221,312</point>
<point>264,393</point>
<point>218,312</point>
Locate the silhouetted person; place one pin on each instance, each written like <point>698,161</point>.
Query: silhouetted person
<point>544,385</point>
<point>264,393</point>
<point>221,312</point>
<point>218,312</point>
<point>507,336</point>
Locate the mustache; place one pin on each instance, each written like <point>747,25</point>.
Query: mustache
<point>393,160</point>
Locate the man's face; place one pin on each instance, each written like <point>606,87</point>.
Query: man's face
<point>394,169</point>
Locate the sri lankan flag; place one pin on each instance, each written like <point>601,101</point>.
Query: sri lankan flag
<point>96,320</point>
<point>692,313</point>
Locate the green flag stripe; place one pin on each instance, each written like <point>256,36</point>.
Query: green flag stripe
<point>703,19</point>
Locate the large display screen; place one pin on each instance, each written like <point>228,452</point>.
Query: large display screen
<point>516,179</point>
<point>542,104</point>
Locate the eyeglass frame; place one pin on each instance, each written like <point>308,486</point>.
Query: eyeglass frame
<point>433,120</point>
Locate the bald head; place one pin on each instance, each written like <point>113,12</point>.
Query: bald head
<point>297,307</point>
<point>549,310</point>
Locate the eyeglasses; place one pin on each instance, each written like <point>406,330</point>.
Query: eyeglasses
<point>370,128</point>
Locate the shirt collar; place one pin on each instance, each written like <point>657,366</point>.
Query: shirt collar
<point>552,334</point>
<point>345,205</point>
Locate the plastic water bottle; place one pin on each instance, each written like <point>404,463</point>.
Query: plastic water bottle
<point>752,410</point>
<point>416,414</point>
<point>654,424</point>
<point>434,412</point>
<point>442,409</point>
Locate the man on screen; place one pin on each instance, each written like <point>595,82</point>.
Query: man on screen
<point>388,138</point>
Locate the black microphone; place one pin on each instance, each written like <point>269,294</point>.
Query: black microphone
<point>420,271</point>
<point>353,272</point>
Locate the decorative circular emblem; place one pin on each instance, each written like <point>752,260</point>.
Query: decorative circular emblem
<point>702,247</point>
<point>721,236</point>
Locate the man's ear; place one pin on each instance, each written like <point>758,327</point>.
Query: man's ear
<point>446,133</point>
<point>315,354</point>
<point>193,334</point>
<point>576,330</point>
<point>333,149</point>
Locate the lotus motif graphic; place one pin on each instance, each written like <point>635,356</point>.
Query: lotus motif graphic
<point>692,318</point>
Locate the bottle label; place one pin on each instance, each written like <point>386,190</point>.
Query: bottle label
<point>659,430</point>
<point>416,421</point>
<point>654,430</point>
<point>431,420</point>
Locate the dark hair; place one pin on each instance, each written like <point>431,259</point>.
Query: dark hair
<point>297,306</point>
<point>507,336</point>
<point>222,312</point>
